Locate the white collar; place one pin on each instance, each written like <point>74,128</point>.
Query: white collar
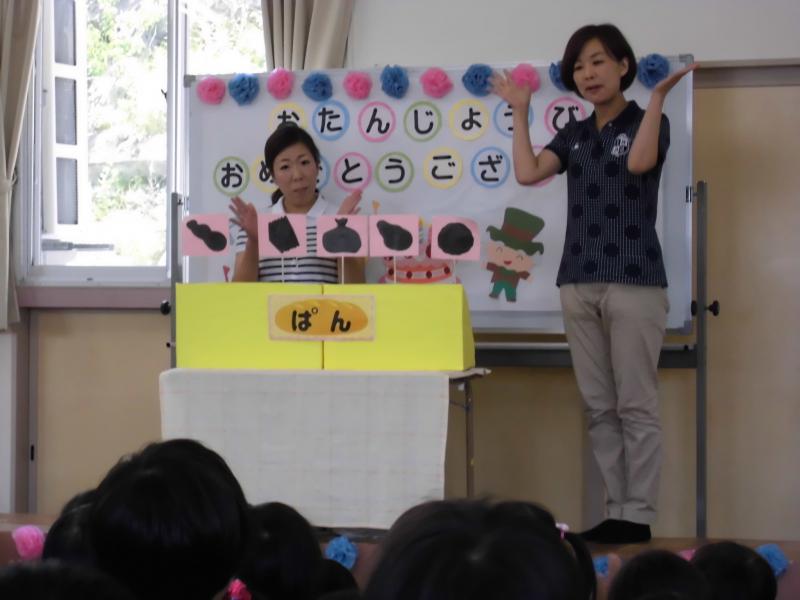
<point>320,207</point>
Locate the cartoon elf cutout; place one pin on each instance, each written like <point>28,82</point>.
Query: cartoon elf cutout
<point>511,251</point>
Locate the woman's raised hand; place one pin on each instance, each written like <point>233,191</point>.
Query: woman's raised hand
<point>516,96</point>
<point>349,205</point>
<point>245,216</point>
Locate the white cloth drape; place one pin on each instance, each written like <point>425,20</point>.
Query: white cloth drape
<point>306,34</point>
<point>19,20</point>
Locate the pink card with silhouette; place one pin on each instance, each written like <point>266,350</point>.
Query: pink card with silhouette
<point>394,235</point>
<point>204,235</point>
<point>281,236</point>
<point>342,235</point>
<point>455,238</point>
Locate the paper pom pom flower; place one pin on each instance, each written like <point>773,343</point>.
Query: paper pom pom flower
<point>243,88</point>
<point>524,74</point>
<point>394,81</point>
<point>436,83</point>
<point>476,79</point>
<point>555,76</point>
<point>342,550</point>
<point>279,83</point>
<point>211,90</point>
<point>29,541</point>
<point>357,84</point>
<point>775,557</point>
<point>652,69</point>
<point>318,86</point>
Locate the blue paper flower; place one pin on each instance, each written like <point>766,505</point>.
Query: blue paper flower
<point>476,79</point>
<point>318,87</point>
<point>555,76</point>
<point>342,550</point>
<point>601,565</point>
<point>775,557</point>
<point>394,81</point>
<point>652,69</point>
<point>243,88</point>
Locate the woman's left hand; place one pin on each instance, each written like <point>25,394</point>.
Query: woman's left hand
<point>349,205</point>
<point>665,85</point>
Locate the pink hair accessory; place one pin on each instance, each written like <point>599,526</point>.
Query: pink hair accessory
<point>563,528</point>
<point>357,84</point>
<point>237,590</point>
<point>524,74</point>
<point>687,554</point>
<point>279,83</point>
<point>436,83</point>
<point>29,541</point>
<point>211,90</point>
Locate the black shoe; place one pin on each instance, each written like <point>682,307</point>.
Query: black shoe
<point>616,531</point>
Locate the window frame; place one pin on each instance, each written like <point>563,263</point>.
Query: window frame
<point>31,186</point>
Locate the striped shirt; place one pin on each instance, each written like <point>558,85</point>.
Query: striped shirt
<point>301,269</point>
<point>611,213</point>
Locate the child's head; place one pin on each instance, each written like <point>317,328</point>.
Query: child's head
<point>474,549</point>
<point>67,539</point>
<point>170,521</point>
<point>602,52</point>
<point>735,572</point>
<point>284,557</point>
<point>54,580</point>
<point>658,574</point>
<point>286,137</point>
<point>333,578</point>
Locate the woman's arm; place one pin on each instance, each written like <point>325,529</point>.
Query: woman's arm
<point>644,150</point>
<point>245,216</point>
<point>529,167</point>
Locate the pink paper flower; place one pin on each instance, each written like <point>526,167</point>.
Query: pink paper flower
<point>29,541</point>
<point>357,84</point>
<point>279,83</point>
<point>524,74</point>
<point>211,90</point>
<point>436,83</point>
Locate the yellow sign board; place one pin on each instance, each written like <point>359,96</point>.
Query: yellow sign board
<point>318,317</point>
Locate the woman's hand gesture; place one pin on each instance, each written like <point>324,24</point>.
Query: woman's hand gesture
<point>516,96</point>
<point>245,216</point>
<point>665,85</point>
<point>349,205</point>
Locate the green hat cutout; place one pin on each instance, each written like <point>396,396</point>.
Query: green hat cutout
<point>518,230</point>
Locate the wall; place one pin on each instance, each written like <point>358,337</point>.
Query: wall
<point>445,32</point>
<point>96,376</point>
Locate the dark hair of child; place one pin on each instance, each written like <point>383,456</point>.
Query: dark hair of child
<point>170,522</point>
<point>659,574</point>
<point>284,557</point>
<point>334,577</point>
<point>54,580</point>
<point>612,40</point>
<point>735,572</point>
<point>472,549</point>
<point>286,135</point>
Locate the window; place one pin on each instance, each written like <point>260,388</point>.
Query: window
<point>103,148</point>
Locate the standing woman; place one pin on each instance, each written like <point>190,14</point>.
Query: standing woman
<point>612,278</point>
<point>292,159</point>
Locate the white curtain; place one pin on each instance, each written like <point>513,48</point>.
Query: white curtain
<point>306,34</point>
<point>19,20</point>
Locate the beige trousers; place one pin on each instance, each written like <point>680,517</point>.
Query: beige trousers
<point>615,333</point>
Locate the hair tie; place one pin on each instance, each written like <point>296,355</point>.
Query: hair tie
<point>563,528</point>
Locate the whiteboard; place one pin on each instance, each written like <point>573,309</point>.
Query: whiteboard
<point>226,139</point>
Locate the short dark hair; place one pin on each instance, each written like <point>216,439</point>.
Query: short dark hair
<point>285,135</point>
<point>170,521</point>
<point>284,558</point>
<point>735,572</point>
<point>54,580</point>
<point>471,549</point>
<point>658,574</point>
<point>612,40</point>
